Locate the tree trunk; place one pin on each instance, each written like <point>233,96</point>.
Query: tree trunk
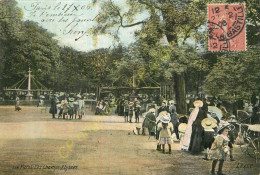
<point>180,93</point>
<point>1,66</point>
<point>180,90</point>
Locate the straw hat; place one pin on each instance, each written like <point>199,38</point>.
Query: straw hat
<point>198,103</point>
<point>79,96</point>
<point>182,127</point>
<point>209,123</point>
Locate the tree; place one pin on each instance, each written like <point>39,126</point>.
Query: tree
<point>10,24</point>
<point>165,17</point>
<point>35,48</point>
<point>234,76</point>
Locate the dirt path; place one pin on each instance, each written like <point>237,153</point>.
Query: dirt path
<point>31,140</point>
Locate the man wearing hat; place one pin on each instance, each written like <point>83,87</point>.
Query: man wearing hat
<point>126,110</point>
<point>137,109</point>
<point>219,149</point>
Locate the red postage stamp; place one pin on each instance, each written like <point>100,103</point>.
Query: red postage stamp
<point>226,27</point>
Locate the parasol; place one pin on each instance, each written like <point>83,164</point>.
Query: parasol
<point>217,111</point>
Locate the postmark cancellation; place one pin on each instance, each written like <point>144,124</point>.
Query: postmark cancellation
<point>226,27</point>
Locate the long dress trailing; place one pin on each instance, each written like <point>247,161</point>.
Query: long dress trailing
<point>188,131</point>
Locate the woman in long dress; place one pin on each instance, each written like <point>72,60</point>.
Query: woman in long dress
<point>53,109</point>
<point>187,136</point>
<point>81,108</point>
<point>197,136</point>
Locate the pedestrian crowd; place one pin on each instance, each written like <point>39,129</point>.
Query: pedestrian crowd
<point>203,132</point>
<point>67,108</point>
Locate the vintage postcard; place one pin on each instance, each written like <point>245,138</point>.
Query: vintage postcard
<point>130,87</point>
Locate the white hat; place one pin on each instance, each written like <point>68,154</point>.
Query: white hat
<point>165,117</point>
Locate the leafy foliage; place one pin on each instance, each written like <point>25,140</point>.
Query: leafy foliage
<point>235,76</point>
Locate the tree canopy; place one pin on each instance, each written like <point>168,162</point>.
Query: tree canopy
<point>171,46</point>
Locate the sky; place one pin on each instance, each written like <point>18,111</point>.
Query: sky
<point>70,20</point>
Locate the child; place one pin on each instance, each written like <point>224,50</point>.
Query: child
<point>208,124</point>
<point>166,130</point>
<point>131,111</point>
<point>219,149</point>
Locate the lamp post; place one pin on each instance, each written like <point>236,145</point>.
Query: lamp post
<point>29,95</point>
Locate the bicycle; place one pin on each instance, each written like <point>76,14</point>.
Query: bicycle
<point>250,141</point>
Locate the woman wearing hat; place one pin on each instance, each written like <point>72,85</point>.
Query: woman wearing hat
<point>165,128</point>
<point>149,122</point>
<point>137,109</point>
<point>197,136</point>
<point>187,136</point>
<point>53,108</point>
<point>219,149</point>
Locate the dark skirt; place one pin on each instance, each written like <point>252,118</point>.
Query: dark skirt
<point>196,142</point>
<point>208,139</point>
<point>53,110</point>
